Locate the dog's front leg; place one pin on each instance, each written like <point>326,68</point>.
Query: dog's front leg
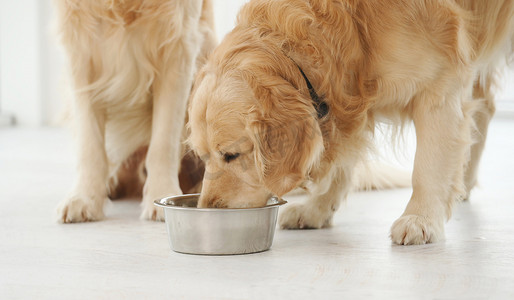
<point>164,152</point>
<point>90,192</point>
<point>443,137</point>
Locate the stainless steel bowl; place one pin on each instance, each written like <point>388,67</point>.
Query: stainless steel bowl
<point>218,231</point>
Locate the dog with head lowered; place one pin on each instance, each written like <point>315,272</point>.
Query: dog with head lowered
<point>291,97</point>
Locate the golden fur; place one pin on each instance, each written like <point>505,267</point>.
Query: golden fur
<point>132,63</point>
<point>434,62</point>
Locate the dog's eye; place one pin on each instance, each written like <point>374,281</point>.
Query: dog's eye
<point>228,157</point>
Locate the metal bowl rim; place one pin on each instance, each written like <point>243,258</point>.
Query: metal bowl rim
<point>161,204</point>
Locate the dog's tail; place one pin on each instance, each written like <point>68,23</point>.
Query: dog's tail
<point>375,175</point>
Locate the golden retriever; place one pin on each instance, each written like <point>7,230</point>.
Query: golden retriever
<point>132,64</point>
<point>292,95</point>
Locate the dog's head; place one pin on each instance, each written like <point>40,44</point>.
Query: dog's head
<point>256,131</point>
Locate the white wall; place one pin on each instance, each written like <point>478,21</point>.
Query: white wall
<point>225,12</point>
<point>32,77</point>
<point>54,88</point>
<point>20,59</point>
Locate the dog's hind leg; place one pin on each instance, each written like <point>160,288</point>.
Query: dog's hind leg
<point>130,176</point>
<point>482,116</point>
<point>318,210</point>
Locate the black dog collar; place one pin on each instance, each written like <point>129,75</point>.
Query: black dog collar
<point>319,104</point>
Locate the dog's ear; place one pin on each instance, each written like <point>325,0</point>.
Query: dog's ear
<point>286,134</point>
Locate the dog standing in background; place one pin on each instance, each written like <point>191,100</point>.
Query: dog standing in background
<point>132,64</point>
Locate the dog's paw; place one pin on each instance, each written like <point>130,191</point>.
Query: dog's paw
<point>155,190</point>
<point>152,212</point>
<point>77,209</point>
<point>301,216</point>
<point>416,230</point>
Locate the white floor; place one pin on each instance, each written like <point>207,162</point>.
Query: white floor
<point>124,258</point>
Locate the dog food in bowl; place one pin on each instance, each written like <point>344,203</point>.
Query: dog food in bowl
<point>218,231</point>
